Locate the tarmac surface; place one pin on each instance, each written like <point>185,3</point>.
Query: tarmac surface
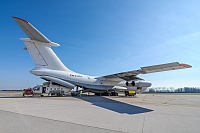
<point>145,113</point>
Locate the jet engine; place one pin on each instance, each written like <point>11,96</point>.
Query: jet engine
<point>139,83</point>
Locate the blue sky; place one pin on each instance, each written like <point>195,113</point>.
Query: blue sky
<point>101,37</point>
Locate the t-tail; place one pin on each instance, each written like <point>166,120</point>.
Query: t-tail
<point>39,47</point>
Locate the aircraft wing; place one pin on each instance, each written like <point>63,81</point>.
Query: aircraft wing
<point>31,31</point>
<point>132,75</point>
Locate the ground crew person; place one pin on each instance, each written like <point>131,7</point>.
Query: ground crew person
<point>81,92</point>
<point>23,92</point>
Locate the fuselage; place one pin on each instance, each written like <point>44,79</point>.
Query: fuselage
<point>76,79</point>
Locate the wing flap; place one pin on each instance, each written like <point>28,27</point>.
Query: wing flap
<point>131,75</point>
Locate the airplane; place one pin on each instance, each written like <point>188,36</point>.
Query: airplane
<point>50,68</point>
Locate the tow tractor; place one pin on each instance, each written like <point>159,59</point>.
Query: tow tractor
<point>28,91</point>
<point>130,93</point>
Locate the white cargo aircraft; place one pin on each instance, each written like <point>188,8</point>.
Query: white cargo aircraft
<point>49,67</point>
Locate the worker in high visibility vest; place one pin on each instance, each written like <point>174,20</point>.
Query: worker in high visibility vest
<point>81,92</point>
<point>23,92</point>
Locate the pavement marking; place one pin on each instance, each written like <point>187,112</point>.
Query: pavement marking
<point>10,101</point>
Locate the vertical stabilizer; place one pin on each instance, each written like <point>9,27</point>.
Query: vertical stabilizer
<point>43,55</point>
<point>39,47</point>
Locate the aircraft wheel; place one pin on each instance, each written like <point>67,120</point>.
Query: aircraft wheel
<point>126,93</point>
<point>73,95</point>
<point>97,94</point>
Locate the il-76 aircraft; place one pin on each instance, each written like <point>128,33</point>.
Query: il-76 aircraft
<point>49,67</point>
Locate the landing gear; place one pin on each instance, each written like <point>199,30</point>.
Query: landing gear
<point>74,94</point>
<point>113,93</point>
<point>97,94</point>
<point>76,91</point>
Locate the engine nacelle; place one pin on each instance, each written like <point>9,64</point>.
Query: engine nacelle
<point>139,83</point>
<point>119,88</point>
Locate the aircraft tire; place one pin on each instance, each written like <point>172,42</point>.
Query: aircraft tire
<point>97,94</point>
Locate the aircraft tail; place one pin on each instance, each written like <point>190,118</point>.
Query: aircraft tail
<point>39,47</point>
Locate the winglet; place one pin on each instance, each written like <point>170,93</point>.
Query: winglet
<point>31,31</point>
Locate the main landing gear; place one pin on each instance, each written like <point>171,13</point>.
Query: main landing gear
<point>113,93</point>
<point>76,91</point>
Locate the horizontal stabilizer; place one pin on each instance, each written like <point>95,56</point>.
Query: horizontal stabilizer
<point>31,31</point>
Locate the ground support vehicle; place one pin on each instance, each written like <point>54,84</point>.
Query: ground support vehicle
<point>50,89</point>
<point>28,91</point>
<point>130,93</point>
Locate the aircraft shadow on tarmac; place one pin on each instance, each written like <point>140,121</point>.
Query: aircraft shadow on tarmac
<point>114,105</point>
<point>103,102</point>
